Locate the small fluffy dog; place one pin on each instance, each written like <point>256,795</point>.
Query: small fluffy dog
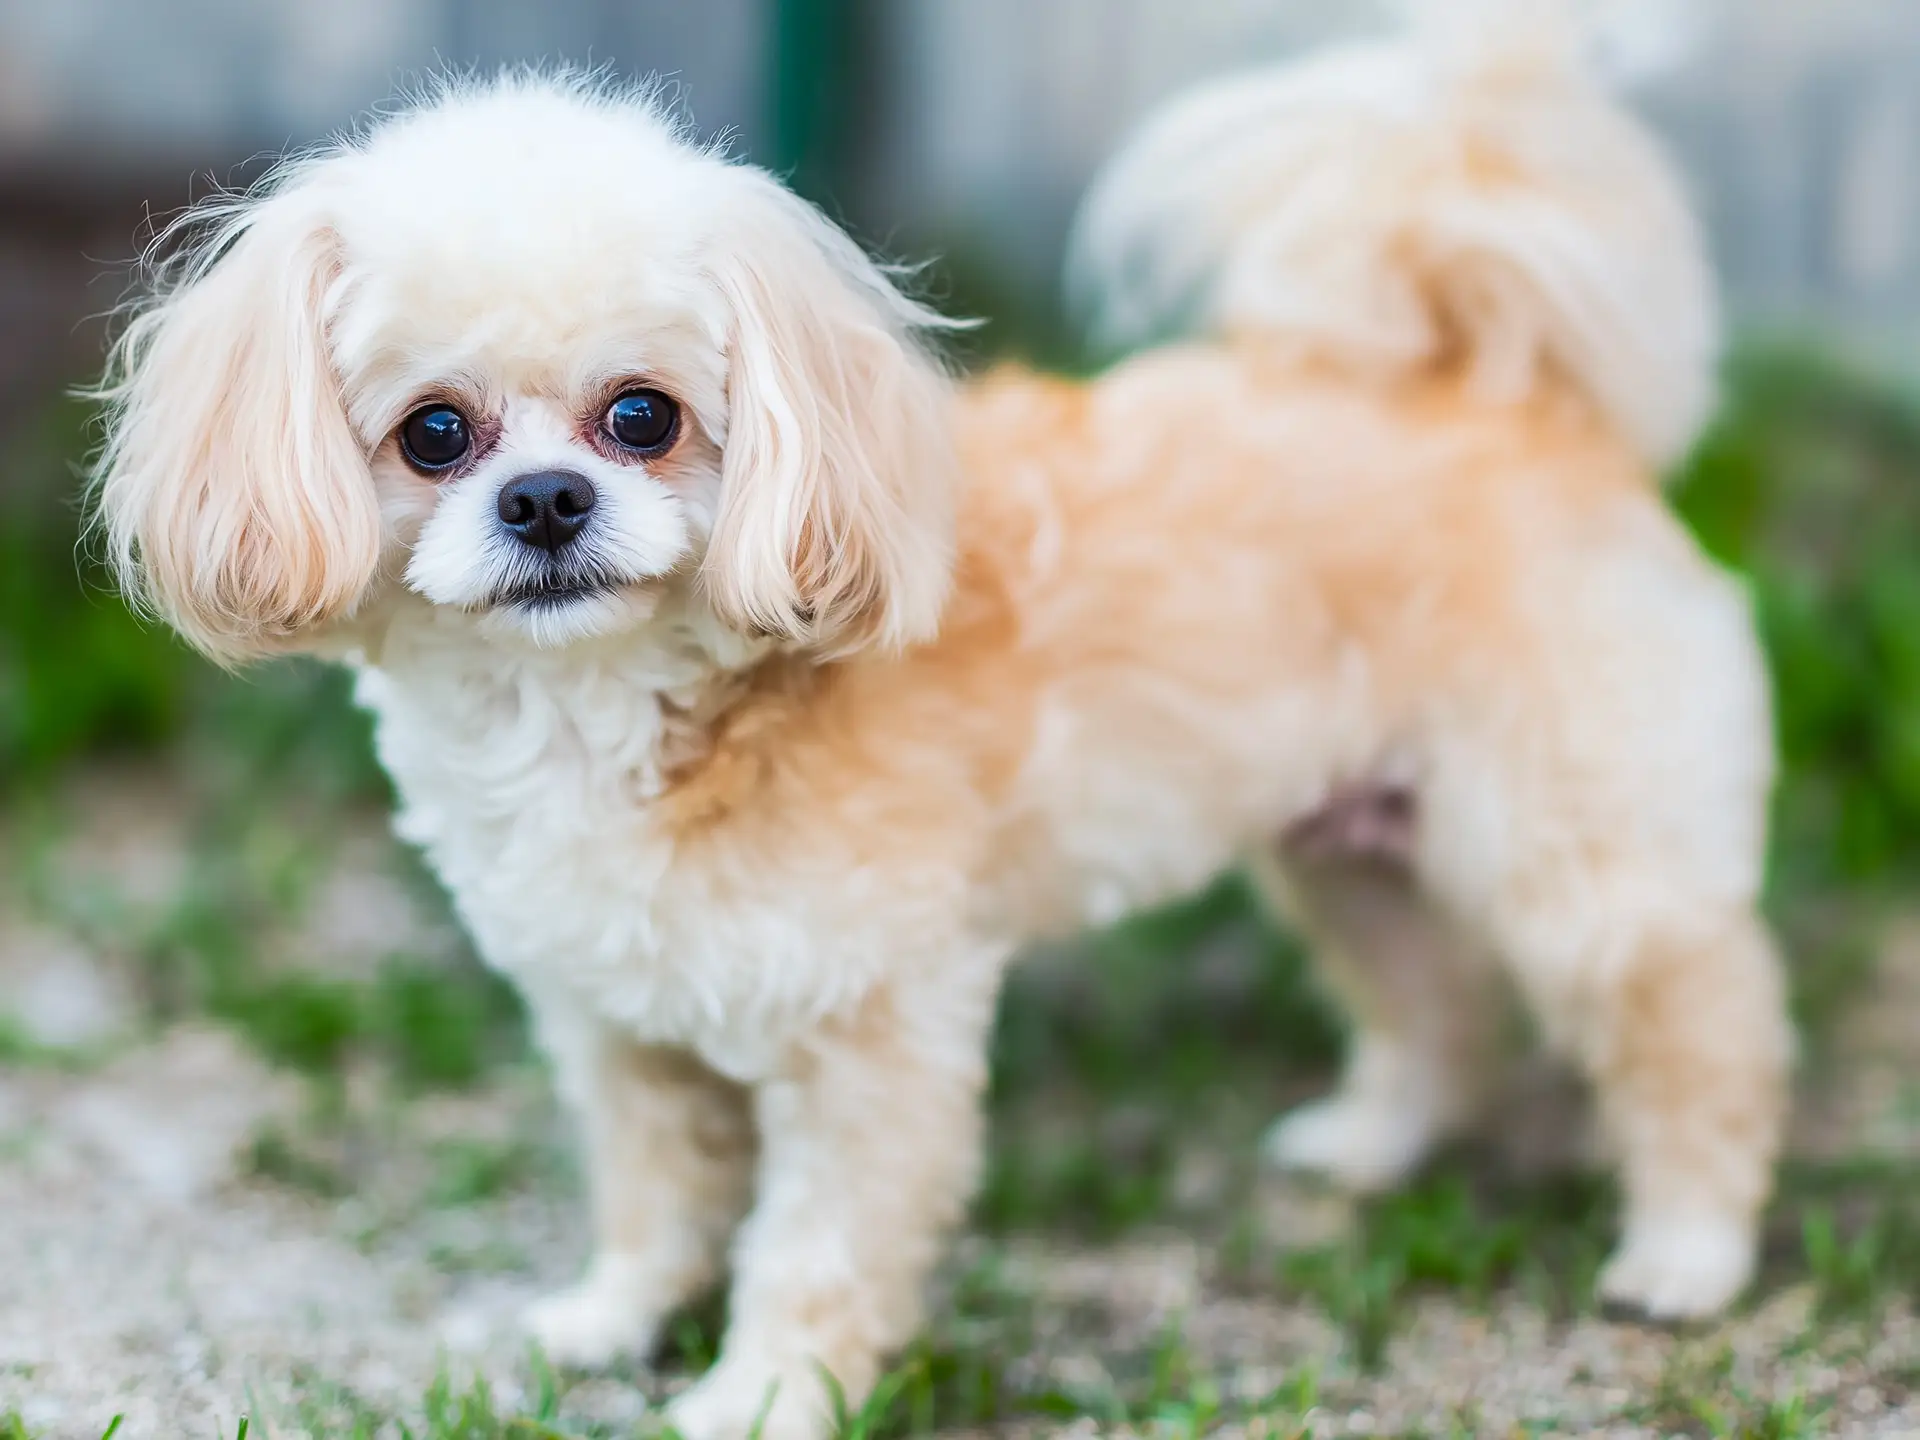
<point>756,690</point>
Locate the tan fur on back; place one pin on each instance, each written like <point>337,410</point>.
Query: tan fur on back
<point>1372,551</point>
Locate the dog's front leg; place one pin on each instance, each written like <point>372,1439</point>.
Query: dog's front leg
<point>669,1153</point>
<point>870,1138</point>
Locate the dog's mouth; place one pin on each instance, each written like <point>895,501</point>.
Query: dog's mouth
<point>553,592</point>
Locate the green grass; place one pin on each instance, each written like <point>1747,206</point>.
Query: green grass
<point>1452,1233</point>
<point>324,1411</point>
<point>1807,485</point>
<point>467,1172</point>
<point>1853,1230</point>
<point>12,1427</point>
<point>1848,1231</point>
<point>1187,1021</point>
<point>205,949</point>
<point>19,1048</point>
<point>981,1366</point>
<point>1698,1394</point>
<point>936,1391</point>
<point>432,1027</point>
<point>284,1159</point>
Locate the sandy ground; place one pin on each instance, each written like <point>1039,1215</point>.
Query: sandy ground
<point>143,1275</point>
<point>147,1270</point>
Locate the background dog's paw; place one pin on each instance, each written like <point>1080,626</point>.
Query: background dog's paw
<point>1359,1144</point>
<point>606,1317</point>
<point>1679,1269</point>
<point>737,1399</point>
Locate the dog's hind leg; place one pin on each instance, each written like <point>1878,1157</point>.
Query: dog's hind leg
<point>1681,1026</point>
<point>1426,1007</point>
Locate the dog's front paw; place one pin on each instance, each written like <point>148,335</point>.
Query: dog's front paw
<point>1359,1143</point>
<point>738,1399</point>
<point>608,1316</point>
<point>1674,1269</point>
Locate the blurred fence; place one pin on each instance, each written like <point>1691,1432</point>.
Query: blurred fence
<point>111,108</point>
<point>966,125</point>
<point>1799,121</point>
<point>110,86</point>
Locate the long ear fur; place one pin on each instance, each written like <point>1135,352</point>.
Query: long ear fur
<point>835,527</point>
<point>235,498</point>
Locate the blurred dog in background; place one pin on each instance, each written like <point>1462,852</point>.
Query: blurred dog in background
<point>757,691</point>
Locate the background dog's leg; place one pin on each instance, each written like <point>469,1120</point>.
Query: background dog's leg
<point>870,1148</point>
<point>669,1152</point>
<point>1426,1009</point>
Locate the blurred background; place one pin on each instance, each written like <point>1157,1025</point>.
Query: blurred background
<point>966,127</point>
<point>188,852</point>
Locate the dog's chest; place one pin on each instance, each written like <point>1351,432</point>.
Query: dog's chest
<point>531,784</point>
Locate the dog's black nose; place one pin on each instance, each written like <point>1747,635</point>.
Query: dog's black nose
<point>547,509</point>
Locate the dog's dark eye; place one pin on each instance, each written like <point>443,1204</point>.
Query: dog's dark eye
<point>435,436</point>
<point>644,420</point>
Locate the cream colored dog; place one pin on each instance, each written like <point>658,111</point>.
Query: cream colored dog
<point>756,691</point>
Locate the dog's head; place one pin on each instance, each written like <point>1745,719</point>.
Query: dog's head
<point>528,352</point>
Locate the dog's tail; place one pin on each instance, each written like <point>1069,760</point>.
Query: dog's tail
<point>1468,195</point>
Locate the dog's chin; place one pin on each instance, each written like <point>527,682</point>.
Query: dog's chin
<point>555,617</point>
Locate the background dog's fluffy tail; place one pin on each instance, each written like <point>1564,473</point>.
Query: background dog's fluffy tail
<point>1469,194</point>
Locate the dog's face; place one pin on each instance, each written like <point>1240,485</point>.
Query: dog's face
<point>529,354</point>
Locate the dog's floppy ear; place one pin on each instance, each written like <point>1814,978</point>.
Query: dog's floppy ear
<point>234,495</point>
<point>835,527</point>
